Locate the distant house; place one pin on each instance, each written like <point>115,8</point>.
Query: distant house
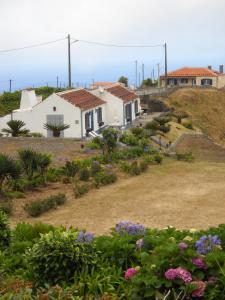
<point>122,105</point>
<point>104,84</point>
<point>191,77</point>
<point>80,109</point>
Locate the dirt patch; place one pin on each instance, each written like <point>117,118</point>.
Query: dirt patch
<point>184,195</point>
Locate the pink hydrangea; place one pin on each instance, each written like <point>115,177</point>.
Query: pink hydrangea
<point>199,291</point>
<point>180,273</point>
<point>199,262</point>
<point>183,246</point>
<point>131,272</point>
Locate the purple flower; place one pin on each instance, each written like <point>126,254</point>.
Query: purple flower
<point>171,274</point>
<point>85,237</point>
<point>183,246</point>
<point>140,243</point>
<point>207,243</point>
<point>130,228</point>
<point>180,273</point>
<point>199,262</point>
<point>199,291</point>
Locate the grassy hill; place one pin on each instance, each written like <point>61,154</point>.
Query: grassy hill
<point>206,108</point>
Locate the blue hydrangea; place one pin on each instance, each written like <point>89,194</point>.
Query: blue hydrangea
<point>207,243</point>
<point>130,228</point>
<point>85,237</point>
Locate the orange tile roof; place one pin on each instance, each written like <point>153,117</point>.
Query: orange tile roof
<point>122,93</point>
<point>81,98</point>
<point>191,72</point>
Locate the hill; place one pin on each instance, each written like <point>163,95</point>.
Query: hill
<point>205,107</point>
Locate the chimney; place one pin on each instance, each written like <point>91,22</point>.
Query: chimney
<point>210,67</point>
<point>221,69</point>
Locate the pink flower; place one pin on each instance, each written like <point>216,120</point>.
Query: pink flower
<point>183,246</point>
<point>180,273</point>
<point>212,280</point>
<point>131,272</point>
<point>199,292</point>
<point>199,262</point>
<point>171,274</point>
<point>184,275</point>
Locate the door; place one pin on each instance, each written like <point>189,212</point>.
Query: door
<point>56,120</point>
<point>128,112</point>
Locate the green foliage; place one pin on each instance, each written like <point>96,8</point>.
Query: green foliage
<point>139,132</point>
<point>80,189</point>
<point>36,134</point>
<point>162,120</point>
<point>152,125</point>
<point>9,169</point>
<point>84,174</point>
<point>38,207</point>
<point>71,168</point>
<point>129,139</point>
<point>158,158</point>
<point>188,125</point>
<point>123,80</point>
<point>95,167</point>
<point>95,143</point>
<point>188,157</point>
<point>55,128</point>
<point>110,136</point>
<point>104,177</point>
<point>57,256</point>
<point>5,234</point>
<point>6,207</point>
<point>15,128</point>
<point>165,128</point>
<point>9,102</point>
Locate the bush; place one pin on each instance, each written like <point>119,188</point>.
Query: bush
<point>158,158</point>
<point>152,125</point>
<point>14,195</point>
<point>162,120</point>
<point>95,167</point>
<point>37,208</point>
<point>54,174</point>
<point>6,207</point>
<point>84,174</point>
<point>104,178</point>
<point>188,125</point>
<point>5,234</point>
<point>131,168</point>
<point>57,256</point>
<point>164,128</point>
<point>36,134</point>
<point>188,157</point>
<point>139,132</point>
<point>143,165</point>
<point>95,143</point>
<point>129,139</point>
<point>71,168</point>
<point>80,190</point>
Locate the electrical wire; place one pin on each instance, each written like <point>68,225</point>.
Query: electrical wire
<point>32,46</point>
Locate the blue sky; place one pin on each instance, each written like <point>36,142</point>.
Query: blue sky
<point>193,30</point>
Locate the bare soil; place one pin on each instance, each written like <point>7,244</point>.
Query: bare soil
<point>185,195</point>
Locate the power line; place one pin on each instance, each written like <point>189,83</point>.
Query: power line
<point>117,45</point>
<point>31,46</point>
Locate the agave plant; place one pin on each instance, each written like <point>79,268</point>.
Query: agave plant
<point>9,168</point>
<point>15,128</point>
<point>56,129</point>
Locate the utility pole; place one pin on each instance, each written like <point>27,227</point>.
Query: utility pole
<point>10,85</point>
<point>139,78</point>
<point>165,65</point>
<point>153,74</point>
<point>57,81</point>
<point>143,72</point>
<point>158,75</point>
<point>69,63</point>
<point>136,79</point>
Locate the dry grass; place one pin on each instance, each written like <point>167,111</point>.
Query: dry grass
<point>206,108</point>
<point>176,193</point>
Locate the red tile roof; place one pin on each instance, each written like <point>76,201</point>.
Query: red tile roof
<point>122,93</point>
<point>81,98</point>
<point>191,72</point>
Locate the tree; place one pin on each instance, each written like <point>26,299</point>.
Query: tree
<point>123,80</point>
<point>56,129</point>
<point>147,82</point>
<point>110,136</point>
<point>9,169</point>
<point>15,128</point>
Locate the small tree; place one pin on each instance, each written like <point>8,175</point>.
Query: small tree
<point>110,136</point>
<point>123,80</point>
<point>15,128</point>
<point>9,169</point>
<point>56,129</point>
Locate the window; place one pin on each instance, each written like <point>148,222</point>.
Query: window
<point>89,121</point>
<point>136,107</point>
<point>184,80</point>
<point>54,108</point>
<point>99,115</point>
<point>206,81</point>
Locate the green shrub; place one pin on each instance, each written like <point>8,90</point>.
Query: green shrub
<point>158,158</point>
<point>153,125</point>
<point>57,256</point>
<point>188,125</point>
<point>5,234</point>
<point>9,169</point>
<point>84,174</point>
<point>188,157</point>
<point>71,168</point>
<point>6,207</point>
<point>36,134</point>
<point>95,167</point>
<point>129,139</point>
<point>143,165</point>
<point>20,185</point>
<point>135,169</point>
<point>139,132</point>
<point>95,143</point>
<point>14,195</point>
<point>104,178</point>
<point>54,174</point>
<point>80,190</point>
<point>37,208</point>
<point>162,120</point>
<point>165,128</point>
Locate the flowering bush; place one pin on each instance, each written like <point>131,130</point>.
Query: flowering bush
<point>207,243</point>
<point>130,228</point>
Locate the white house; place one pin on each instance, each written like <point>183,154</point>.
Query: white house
<point>122,105</point>
<point>79,108</point>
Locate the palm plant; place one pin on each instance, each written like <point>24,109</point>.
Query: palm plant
<point>15,128</point>
<point>56,129</point>
<point>28,159</point>
<point>43,161</point>
<point>9,169</point>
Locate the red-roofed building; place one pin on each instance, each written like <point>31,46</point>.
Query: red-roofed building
<point>195,77</point>
<point>122,104</point>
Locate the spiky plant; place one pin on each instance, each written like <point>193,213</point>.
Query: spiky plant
<point>9,168</point>
<point>15,128</point>
<point>56,129</point>
<point>29,161</point>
